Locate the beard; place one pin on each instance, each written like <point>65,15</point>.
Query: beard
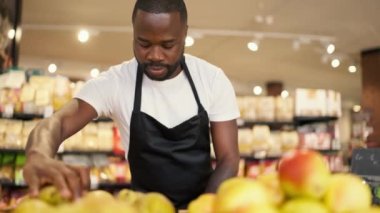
<point>170,69</point>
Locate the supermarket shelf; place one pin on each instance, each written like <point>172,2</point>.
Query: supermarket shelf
<point>297,121</point>
<point>12,151</point>
<point>269,158</point>
<point>275,125</point>
<point>12,185</point>
<point>22,116</point>
<point>28,117</point>
<point>113,186</point>
<point>109,153</point>
<point>104,186</point>
<point>302,120</point>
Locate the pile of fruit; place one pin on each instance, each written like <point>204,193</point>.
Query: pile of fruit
<point>302,184</point>
<point>126,201</point>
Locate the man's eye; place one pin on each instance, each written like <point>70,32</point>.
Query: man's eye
<point>168,46</point>
<point>145,45</point>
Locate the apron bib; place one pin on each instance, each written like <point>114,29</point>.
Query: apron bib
<point>173,161</point>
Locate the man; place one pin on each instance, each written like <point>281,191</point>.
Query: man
<point>165,104</point>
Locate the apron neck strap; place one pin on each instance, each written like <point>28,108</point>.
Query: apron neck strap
<point>139,78</point>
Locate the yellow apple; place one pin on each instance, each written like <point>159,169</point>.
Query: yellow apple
<point>303,173</point>
<point>129,195</point>
<point>239,192</point>
<point>272,182</point>
<point>33,206</point>
<point>254,208</point>
<point>154,202</point>
<point>347,192</point>
<point>204,203</point>
<point>304,205</point>
<point>52,196</point>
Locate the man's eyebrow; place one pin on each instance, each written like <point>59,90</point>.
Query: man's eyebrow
<point>142,39</point>
<point>165,41</point>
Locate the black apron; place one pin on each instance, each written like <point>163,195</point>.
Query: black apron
<point>173,161</point>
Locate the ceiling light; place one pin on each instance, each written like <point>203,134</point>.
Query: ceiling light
<point>83,36</point>
<point>52,68</point>
<point>356,108</point>
<point>259,19</point>
<point>257,90</point>
<point>94,72</point>
<point>284,94</point>
<point>253,46</point>
<point>269,20</point>
<point>352,69</point>
<point>330,49</point>
<point>296,45</point>
<point>11,34</point>
<point>189,41</point>
<point>335,63</point>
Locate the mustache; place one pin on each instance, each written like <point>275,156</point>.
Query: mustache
<point>155,64</point>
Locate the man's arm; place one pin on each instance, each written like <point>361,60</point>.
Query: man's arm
<point>43,143</point>
<point>224,137</point>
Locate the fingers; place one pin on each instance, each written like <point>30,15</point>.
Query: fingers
<point>59,180</point>
<point>73,181</point>
<point>84,174</point>
<point>32,180</point>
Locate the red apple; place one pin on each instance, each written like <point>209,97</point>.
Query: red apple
<point>303,173</point>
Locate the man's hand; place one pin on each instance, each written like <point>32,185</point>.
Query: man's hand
<point>71,181</point>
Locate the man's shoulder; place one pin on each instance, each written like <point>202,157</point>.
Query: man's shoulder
<point>201,64</point>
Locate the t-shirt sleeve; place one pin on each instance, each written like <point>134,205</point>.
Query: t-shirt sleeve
<point>98,92</point>
<point>223,105</point>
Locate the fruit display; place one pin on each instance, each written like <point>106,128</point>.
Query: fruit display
<point>302,183</point>
<point>97,201</point>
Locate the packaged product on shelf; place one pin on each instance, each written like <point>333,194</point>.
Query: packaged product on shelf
<point>7,168</point>
<point>265,108</point>
<point>247,106</point>
<point>90,137</point>
<point>334,106</point>
<point>245,141</point>
<point>284,109</point>
<point>19,163</point>
<point>75,142</point>
<point>269,167</point>
<point>105,136</point>
<point>253,169</point>
<point>310,102</point>
<point>117,145</point>
<point>3,129</point>
<point>76,87</point>
<point>44,90</point>
<point>61,93</point>
<point>13,136</point>
<point>315,140</point>
<point>241,170</point>
<point>289,140</point>
<point>275,145</point>
<point>14,79</point>
<point>10,102</point>
<point>27,128</point>
<point>260,138</point>
<point>27,97</point>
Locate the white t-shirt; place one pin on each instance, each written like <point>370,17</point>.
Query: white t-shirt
<point>170,102</point>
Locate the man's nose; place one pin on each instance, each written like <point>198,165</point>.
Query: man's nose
<point>155,54</point>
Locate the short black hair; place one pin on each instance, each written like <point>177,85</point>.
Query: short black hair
<point>161,6</point>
